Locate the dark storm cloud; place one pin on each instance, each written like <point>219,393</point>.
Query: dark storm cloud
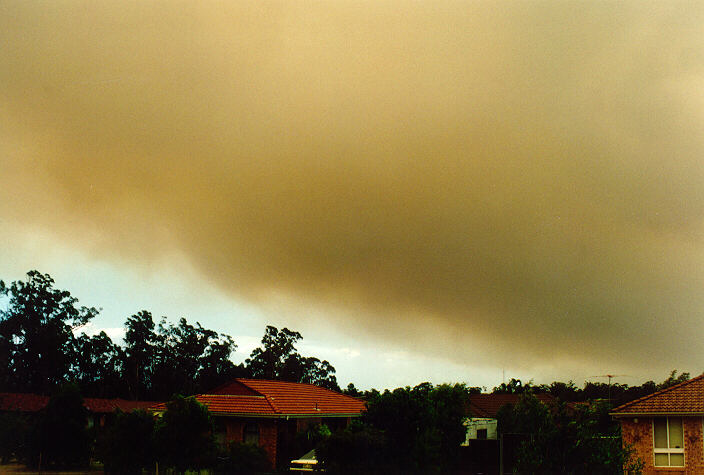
<point>521,181</point>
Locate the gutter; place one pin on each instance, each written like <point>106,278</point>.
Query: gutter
<point>283,416</point>
<point>655,414</point>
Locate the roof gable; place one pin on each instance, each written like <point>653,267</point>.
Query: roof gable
<point>683,398</point>
<point>235,387</point>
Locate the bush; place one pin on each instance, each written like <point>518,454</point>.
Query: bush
<point>132,434</point>
<point>566,440</point>
<point>243,459</point>
<point>184,435</point>
<point>359,449</point>
<point>59,438</point>
<point>13,432</point>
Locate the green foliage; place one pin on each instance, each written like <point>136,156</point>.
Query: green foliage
<point>59,438</point>
<point>14,428</point>
<point>615,392</point>
<point>37,345</point>
<point>351,390</point>
<point>140,341</point>
<point>181,358</point>
<point>674,379</point>
<point>564,439</point>
<point>98,366</point>
<point>308,439</point>
<point>514,386</point>
<point>184,435</point>
<point>188,355</point>
<point>278,358</point>
<point>421,427</point>
<point>126,445</point>
<point>359,449</point>
<point>243,459</point>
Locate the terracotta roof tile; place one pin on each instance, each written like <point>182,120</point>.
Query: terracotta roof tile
<point>230,404</point>
<point>25,402</point>
<point>682,398</point>
<point>488,405</point>
<point>277,398</point>
<point>22,402</point>
<point>301,398</point>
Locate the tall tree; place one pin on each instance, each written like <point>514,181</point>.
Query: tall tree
<point>140,341</point>
<point>98,366</point>
<point>37,344</point>
<point>166,359</point>
<point>514,386</point>
<point>189,358</point>
<point>278,358</point>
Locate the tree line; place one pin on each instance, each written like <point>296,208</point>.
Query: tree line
<point>616,393</point>
<point>40,350</point>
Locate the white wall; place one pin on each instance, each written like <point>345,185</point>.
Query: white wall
<point>475,423</point>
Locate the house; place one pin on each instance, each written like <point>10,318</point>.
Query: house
<point>483,408</point>
<point>665,428</point>
<point>270,413</point>
<point>98,409</point>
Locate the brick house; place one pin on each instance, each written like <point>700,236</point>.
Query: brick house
<point>666,428</point>
<point>271,413</point>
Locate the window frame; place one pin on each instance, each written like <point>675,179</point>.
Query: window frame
<point>668,450</point>
<point>250,430</point>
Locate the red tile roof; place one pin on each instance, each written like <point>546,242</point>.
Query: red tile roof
<point>682,398</point>
<point>231,404</point>
<point>24,402</point>
<point>110,405</point>
<point>487,405</point>
<point>266,398</point>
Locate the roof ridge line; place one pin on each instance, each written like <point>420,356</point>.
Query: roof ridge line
<point>231,395</point>
<point>661,391</point>
<point>271,403</point>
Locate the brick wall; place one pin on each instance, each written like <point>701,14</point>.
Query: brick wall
<point>267,434</point>
<point>640,436</point>
<point>267,438</point>
<point>270,430</point>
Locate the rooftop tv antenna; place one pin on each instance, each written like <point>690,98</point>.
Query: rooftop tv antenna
<point>610,376</point>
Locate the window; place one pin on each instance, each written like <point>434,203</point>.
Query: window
<point>251,433</point>
<point>668,442</point>
<point>481,433</point>
<point>220,431</point>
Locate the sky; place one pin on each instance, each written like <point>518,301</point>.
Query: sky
<point>428,191</point>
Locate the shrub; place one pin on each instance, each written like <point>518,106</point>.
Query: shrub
<point>359,449</point>
<point>243,459</point>
<point>184,435</point>
<point>130,434</point>
<point>59,438</point>
<point>13,432</point>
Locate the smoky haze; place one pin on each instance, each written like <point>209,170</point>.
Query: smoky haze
<point>481,181</point>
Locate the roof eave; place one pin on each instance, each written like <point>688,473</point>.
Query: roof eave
<point>656,414</point>
<point>282,416</point>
